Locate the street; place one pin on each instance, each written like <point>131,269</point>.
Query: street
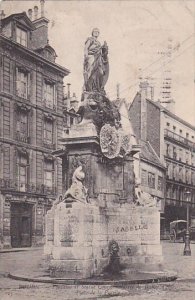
<point>174,260</point>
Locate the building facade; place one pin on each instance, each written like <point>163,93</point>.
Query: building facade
<point>149,171</point>
<point>173,140</point>
<point>31,122</point>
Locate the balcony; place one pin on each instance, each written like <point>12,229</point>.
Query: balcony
<point>180,181</point>
<point>178,138</point>
<point>41,189</point>
<point>22,138</point>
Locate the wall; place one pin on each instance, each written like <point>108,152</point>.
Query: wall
<point>135,115</point>
<point>153,126</point>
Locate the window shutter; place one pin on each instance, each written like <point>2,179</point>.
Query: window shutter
<point>17,175</point>
<point>17,81</point>
<point>27,174</point>
<point>29,85</point>
<point>55,96</point>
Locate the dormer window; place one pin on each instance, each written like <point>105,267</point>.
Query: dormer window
<point>21,36</point>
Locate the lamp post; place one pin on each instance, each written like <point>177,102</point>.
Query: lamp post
<point>187,250</point>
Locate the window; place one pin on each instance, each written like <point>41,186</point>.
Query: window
<point>169,170</point>
<point>49,94</point>
<point>48,131</point>
<point>167,150</point>
<point>71,121</point>
<point>22,172</point>
<point>22,83</point>
<point>174,153</point>
<point>192,160</point>
<point>174,128</point>
<point>188,176</point>
<point>151,180</point>
<point>144,180</point>
<point>181,173</point>
<point>193,178</point>
<point>174,172</point>
<point>187,157</point>
<point>49,174</point>
<point>187,135</point>
<point>22,126</point>
<point>180,131</point>
<point>180,154</point>
<point>160,183</point>
<point>168,124</point>
<point>21,36</point>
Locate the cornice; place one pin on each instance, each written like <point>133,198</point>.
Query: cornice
<point>27,146</point>
<point>32,105</point>
<point>40,59</point>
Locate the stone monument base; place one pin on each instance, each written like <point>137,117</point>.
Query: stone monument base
<point>78,238</point>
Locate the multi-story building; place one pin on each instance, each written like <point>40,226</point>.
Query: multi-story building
<point>173,139</point>
<point>31,122</point>
<point>149,170</point>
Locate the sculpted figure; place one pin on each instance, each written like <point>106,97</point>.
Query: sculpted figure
<point>142,198</point>
<point>77,191</point>
<point>96,66</point>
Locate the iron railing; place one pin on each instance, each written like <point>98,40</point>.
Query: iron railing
<point>12,185</point>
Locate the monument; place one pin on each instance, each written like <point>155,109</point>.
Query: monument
<point>103,223</point>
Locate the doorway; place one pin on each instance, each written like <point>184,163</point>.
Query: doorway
<point>21,225</point>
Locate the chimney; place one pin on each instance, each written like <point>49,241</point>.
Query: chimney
<point>30,14</point>
<point>35,12</point>
<point>2,15</point>
<point>144,95</point>
<point>42,2</point>
<point>68,86</point>
<point>39,37</point>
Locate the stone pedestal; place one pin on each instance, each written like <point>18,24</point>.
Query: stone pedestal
<point>102,177</point>
<point>78,237</point>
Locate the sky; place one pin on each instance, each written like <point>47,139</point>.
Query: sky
<point>137,32</point>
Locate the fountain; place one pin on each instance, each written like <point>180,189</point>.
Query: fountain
<point>103,225</point>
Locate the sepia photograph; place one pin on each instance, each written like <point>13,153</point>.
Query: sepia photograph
<point>97,149</point>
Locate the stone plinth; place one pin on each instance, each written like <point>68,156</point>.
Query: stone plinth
<point>78,237</point>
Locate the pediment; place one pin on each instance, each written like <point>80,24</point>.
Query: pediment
<point>20,18</point>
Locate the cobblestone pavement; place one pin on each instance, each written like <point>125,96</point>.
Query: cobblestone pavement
<point>184,287</point>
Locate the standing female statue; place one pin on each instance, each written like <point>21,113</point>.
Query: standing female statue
<point>96,66</point>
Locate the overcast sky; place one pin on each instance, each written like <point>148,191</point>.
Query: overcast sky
<point>135,31</point>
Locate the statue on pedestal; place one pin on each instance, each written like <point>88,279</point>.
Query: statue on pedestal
<point>96,66</point>
<point>77,191</point>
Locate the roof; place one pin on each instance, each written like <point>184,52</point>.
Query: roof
<point>34,54</point>
<point>162,108</point>
<point>20,17</point>
<point>148,154</point>
<point>172,115</point>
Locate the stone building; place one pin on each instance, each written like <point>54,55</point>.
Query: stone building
<point>148,168</point>
<point>31,122</point>
<point>173,139</point>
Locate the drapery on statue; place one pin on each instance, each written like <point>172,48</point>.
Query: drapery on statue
<point>96,66</point>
